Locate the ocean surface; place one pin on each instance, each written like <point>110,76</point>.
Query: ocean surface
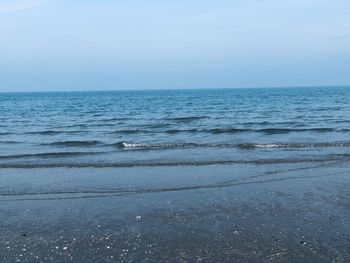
<point>174,128</point>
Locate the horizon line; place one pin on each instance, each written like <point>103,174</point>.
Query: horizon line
<point>179,89</point>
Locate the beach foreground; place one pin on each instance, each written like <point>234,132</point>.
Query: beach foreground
<point>215,213</point>
<point>246,175</point>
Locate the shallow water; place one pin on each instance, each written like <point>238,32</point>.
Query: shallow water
<point>226,213</point>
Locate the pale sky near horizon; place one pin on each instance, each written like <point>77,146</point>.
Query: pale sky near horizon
<point>155,44</point>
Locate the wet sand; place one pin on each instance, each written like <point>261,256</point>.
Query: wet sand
<point>218,213</point>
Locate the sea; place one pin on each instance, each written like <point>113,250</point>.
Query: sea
<point>174,127</point>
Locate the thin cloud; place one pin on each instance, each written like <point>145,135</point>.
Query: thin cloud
<point>8,7</point>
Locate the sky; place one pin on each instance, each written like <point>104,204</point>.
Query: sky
<point>53,45</point>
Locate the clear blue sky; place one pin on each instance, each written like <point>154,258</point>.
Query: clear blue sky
<point>154,44</point>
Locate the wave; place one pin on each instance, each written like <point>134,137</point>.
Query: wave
<point>289,130</point>
<point>128,131</point>
<point>78,125</point>
<point>213,131</point>
<point>227,130</point>
<point>10,142</point>
<point>187,118</point>
<point>268,131</point>
<point>152,128</point>
<point>276,130</point>
<point>52,132</point>
<point>115,119</point>
<point>174,131</point>
<point>331,158</point>
<point>125,145</point>
<point>155,125</point>
<point>144,146</point>
<point>45,132</point>
<point>72,143</point>
<point>293,145</point>
<point>267,123</point>
<point>47,155</point>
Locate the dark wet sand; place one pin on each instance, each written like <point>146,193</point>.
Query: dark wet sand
<point>223,213</point>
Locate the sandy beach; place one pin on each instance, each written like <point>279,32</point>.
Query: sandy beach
<point>245,213</point>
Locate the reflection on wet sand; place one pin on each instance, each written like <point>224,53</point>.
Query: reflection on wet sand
<point>243,214</point>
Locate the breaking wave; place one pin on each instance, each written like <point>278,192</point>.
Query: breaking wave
<point>293,145</point>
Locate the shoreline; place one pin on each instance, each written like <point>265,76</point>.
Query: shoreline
<point>274,213</point>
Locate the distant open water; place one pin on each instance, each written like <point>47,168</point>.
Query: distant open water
<point>173,128</point>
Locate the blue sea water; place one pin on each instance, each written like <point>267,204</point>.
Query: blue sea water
<point>174,127</point>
